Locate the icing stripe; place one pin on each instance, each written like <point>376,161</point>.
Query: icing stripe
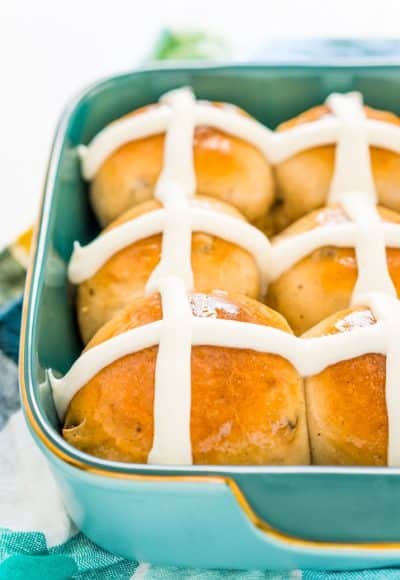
<point>172,391</point>
<point>179,330</point>
<point>287,252</point>
<point>86,261</point>
<point>175,186</point>
<point>176,251</point>
<point>308,355</point>
<point>373,274</point>
<point>374,284</point>
<point>276,146</point>
<point>272,260</point>
<point>112,137</point>
<point>177,180</point>
<point>239,232</point>
<point>93,360</point>
<point>237,125</point>
<point>352,162</point>
<point>383,135</point>
<point>172,386</point>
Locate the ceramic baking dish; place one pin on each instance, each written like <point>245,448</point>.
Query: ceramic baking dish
<point>230,517</point>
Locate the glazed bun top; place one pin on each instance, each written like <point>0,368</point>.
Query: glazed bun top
<point>329,216</point>
<point>346,403</point>
<point>322,281</point>
<point>246,407</point>
<point>184,376</point>
<point>216,264</point>
<point>343,321</point>
<point>320,111</point>
<point>303,180</point>
<point>226,167</point>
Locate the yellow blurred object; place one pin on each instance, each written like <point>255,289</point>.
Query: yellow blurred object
<point>21,248</point>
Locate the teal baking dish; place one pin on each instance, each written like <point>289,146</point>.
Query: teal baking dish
<point>198,516</point>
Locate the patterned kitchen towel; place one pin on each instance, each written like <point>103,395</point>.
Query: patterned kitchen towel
<point>37,540</point>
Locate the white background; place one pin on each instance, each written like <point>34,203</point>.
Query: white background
<point>49,49</point>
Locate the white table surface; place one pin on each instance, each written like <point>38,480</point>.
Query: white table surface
<point>49,49</point>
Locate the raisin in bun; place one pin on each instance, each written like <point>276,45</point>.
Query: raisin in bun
<point>247,407</point>
<point>226,167</point>
<point>322,282</point>
<point>346,406</point>
<point>303,180</point>
<point>216,264</point>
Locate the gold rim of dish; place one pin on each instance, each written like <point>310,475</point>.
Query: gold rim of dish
<point>237,493</point>
<point>262,525</point>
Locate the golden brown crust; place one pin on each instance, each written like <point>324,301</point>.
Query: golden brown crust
<point>216,264</point>
<point>303,180</point>
<point>322,283</point>
<point>247,407</point>
<point>226,168</point>
<point>346,407</point>
<point>316,113</point>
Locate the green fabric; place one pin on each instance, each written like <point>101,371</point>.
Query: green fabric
<point>26,556</point>
<point>38,567</point>
<point>189,45</point>
<point>12,277</point>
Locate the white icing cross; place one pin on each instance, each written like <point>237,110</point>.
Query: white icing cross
<point>374,285</point>
<point>373,274</point>
<point>175,186</point>
<point>179,330</point>
<point>352,160</point>
<point>276,146</point>
<point>172,394</point>
<point>288,251</point>
<point>175,334</point>
<point>87,260</point>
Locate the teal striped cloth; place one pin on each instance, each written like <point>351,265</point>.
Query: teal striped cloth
<point>27,555</point>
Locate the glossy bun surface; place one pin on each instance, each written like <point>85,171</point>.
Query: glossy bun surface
<point>247,407</point>
<point>226,168</point>
<point>216,264</point>
<point>346,407</point>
